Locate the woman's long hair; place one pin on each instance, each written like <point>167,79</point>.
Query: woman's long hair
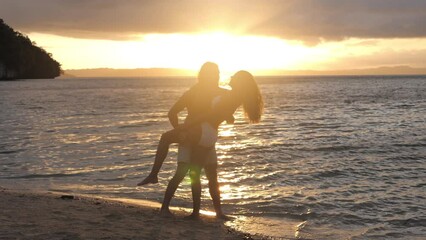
<point>244,83</point>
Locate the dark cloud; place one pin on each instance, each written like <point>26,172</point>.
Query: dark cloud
<point>307,20</point>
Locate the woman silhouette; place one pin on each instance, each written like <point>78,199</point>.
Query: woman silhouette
<point>201,134</point>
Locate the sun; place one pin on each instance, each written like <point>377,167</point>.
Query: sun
<point>231,52</point>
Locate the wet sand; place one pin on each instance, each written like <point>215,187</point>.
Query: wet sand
<point>36,215</point>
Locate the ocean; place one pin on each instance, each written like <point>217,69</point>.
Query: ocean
<point>339,157</point>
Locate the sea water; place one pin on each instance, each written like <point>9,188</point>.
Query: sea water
<point>333,158</point>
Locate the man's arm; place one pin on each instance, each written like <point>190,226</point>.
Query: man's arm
<point>176,109</point>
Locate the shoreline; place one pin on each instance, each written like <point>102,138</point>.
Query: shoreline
<point>52,215</point>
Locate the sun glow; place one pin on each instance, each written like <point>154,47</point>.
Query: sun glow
<point>230,51</point>
<point>260,55</point>
<point>187,51</point>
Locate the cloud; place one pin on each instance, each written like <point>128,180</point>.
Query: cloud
<point>307,20</point>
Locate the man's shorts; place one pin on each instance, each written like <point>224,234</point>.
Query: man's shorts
<point>184,154</point>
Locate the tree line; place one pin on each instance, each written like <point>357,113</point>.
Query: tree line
<point>20,58</point>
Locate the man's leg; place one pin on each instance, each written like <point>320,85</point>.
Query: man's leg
<point>195,172</point>
<point>181,171</point>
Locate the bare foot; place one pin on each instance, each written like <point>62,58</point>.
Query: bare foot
<point>149,179</point>
<point>166,213</point>
<point>223,217</point>
<point>193,216</point>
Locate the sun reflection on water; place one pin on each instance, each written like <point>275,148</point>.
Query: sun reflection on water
<point>227,131</point>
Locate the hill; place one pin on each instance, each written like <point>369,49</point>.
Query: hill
<point>137,72</point>
<point>387,70</point>
<point>22,59</point>
<point>167,72</point>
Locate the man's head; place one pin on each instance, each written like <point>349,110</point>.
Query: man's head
<point>209,74</point>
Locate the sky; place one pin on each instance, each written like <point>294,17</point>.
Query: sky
<point>236,34</point>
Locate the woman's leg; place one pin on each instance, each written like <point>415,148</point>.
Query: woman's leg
<point>211,173</point>
<point>195,172</point>
<point>181,171</point>
<point>166,139</point>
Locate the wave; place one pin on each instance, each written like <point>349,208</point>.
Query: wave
<point>11,151</point>
<point>410,145</point>
<point>333,148</point>
<point>409,222</point>
<point>329,174</point>
<point>313,125</point>
<point>53,175</point>
<point>139,125</point>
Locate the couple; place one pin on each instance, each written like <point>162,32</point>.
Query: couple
<point>208,106</point>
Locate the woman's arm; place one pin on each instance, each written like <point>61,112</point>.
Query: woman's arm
<point>230,119</point>
<point>221,112</point>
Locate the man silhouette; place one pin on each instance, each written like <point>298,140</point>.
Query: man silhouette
<point>198,102</point>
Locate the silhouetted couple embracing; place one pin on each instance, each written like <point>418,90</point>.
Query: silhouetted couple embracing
<point>208,106</point>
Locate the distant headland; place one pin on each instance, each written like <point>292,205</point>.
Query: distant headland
<point>384,70</point>
<point>136,72</point>
<point>20,58</point>
<point>170,72</point>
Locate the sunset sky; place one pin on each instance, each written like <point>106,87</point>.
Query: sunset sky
<point>237,34</point>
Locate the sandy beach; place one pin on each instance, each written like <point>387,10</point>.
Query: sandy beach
<point>38,215</point>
